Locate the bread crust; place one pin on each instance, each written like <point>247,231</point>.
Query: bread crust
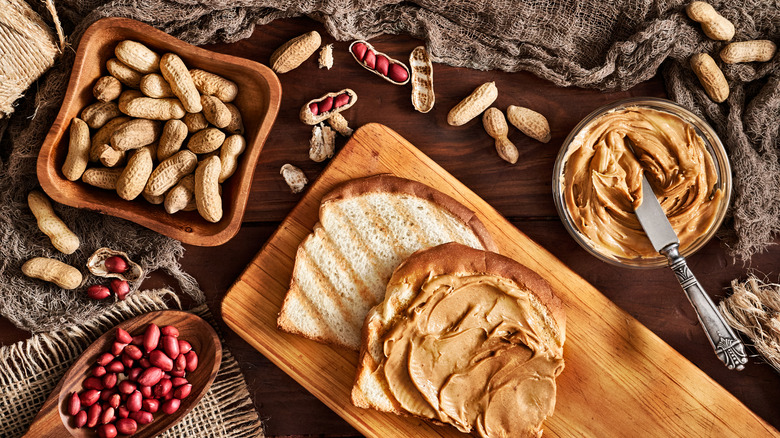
<point>452,259</point>
<point>387,183</point>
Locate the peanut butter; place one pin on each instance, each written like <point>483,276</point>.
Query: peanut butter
<point>473,351</point>
<point>602,178</point>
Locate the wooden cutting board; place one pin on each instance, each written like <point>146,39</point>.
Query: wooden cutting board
<point>620,379</point>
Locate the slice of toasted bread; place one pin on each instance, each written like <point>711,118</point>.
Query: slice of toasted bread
<point>547,320</point>
<point>367,227</point>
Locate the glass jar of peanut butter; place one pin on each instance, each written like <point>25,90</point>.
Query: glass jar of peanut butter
<point>598,173</point>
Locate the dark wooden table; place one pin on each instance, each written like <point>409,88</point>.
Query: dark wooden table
<point>522,193</point>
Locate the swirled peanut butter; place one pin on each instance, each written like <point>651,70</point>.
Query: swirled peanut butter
<point>602,178</point>
<point>472,351</point>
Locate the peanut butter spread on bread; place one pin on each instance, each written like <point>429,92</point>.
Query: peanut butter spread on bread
<point>474,351</point>
<point>602,179</point>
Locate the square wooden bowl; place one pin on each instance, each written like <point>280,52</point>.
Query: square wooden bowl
<point>258,100</point>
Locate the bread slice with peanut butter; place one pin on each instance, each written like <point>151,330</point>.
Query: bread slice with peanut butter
<point>464,337</point>
<point>367,227</point>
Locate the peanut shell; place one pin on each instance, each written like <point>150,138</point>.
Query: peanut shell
<point>310,118</point>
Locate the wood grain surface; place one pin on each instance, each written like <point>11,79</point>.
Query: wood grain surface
<point>609,356</point>
<point>522,193</point>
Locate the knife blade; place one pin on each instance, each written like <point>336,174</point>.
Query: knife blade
<point>653,219</point>
<point>724,341</point>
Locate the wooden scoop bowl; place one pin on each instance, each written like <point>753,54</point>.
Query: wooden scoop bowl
<point>53,419</point>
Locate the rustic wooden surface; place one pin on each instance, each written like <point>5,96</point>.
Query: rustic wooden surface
<point>599,335</point>
<point>522,193</point>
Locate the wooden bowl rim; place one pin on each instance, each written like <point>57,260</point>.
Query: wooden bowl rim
<point>53,183</point>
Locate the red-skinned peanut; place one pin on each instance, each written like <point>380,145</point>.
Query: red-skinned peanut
<point>160,360</point>
<point>142,417</point>
<point>98,292</point>
<point>109,380</point>
<point>382,64</point>
<point>115,366</point>
<point>150,377</point>
<point>134,373</point>
<point>122,412</point>
<point>134,401</point>
<point>107,431</point>
<point>74,404</point>
<point>370,60</point>
<point>147,392</point>
<point>89,397</point>
<point>99,371</point>
<point>93,383</point>
<point>171,346</point>
<point>81,419</point>
<point>116,264</point>
<point>169,330</point>
<point>114,401</point>
<point>178,381</point>
<point>104,359</point>
<point>183,391</point>
<point>127,387</point>
<point>120,287</point>
<point>117,348</point>
<point>93,415</point>
<point>192,362</point>
<point>151,337</point>
<point>138,340</point>
<point>341,100</point>
<point>133,352</point>
<point>314,108</point>
<point>123,336</point>
<point>126,426</point>
<point>107,415</point>
<point>325,105</point>
<point>151,405</point>
<point>163,388</point>
<point>398,73</point>
<point>184,347</point>
<point>359,50</point>
<point>171,406</point>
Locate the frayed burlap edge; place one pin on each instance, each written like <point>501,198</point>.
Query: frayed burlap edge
<point>753,309</point>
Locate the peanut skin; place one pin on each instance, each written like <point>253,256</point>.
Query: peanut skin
<point>137,56</point>
<point>748,51</point>
<point>170,171</point>
<point>714,25</point>
<point>228,155</point>
<point>53,271</point>
<point>175,72</point>
<point>215,111</point>
<point>207,195</point>
<point>102,178</point>
<point>78,150</point>
<point>214,85</point>
<point>473,105</point>
<point>107,88</point>
<point>154,85</point>
<point>135,175</point>
<point>292,53</point>
<point>60,235</point>
<point>173,134</point>
<point>123,73</point>
<point>710,76</point>
<point>530,122</point>
<point>206,140</point>
<point>181,195</point>
<point>496,127</point>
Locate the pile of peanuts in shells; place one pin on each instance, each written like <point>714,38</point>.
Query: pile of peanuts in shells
<point>159,131</point>
<point>719,28</point>
<point>328,107</point>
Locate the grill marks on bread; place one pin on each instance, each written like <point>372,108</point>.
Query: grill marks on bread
<point>369,228</point>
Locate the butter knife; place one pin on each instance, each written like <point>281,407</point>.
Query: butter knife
<point>724,341</point>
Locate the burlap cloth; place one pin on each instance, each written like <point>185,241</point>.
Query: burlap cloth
<point>30,370</point>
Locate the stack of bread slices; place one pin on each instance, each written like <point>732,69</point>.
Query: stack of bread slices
<point>367,228</point>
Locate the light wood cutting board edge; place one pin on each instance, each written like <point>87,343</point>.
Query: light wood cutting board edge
<point>620,378</point>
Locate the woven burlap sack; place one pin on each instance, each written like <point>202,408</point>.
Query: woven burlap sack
<point>28,49</point>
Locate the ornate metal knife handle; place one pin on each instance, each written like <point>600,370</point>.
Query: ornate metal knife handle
<point>724,341</point>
